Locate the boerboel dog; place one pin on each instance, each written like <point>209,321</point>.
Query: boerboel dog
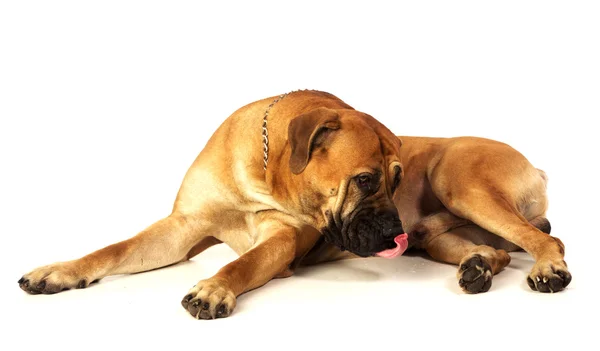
<point>277,181</point>
<point>467,201</point>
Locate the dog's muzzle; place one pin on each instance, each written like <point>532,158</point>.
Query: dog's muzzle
<point>365,233</point>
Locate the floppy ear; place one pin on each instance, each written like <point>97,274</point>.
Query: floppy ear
<point>391,149</point>
<point>396,172</point>
<point>307,131</point>
<point>391,143</point>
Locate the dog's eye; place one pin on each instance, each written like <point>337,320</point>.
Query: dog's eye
<point>364,181</point>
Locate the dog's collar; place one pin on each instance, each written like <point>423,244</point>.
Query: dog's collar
<point>265,131</point>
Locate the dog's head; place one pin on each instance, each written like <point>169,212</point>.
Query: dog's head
<point>346,166</point>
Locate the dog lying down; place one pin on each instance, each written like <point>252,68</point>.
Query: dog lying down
<point>303,178</point>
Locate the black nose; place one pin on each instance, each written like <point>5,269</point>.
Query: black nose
<point>393,230</point>
<point>393,226</point>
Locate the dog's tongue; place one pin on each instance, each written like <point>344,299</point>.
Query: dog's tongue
<point>401,246</point>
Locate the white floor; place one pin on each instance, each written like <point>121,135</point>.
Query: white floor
<point>409,301</point>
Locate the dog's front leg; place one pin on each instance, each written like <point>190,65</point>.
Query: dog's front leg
<point>216,297</point>
<point>165,242</point>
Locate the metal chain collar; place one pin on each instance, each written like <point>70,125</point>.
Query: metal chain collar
<point>265,132</point>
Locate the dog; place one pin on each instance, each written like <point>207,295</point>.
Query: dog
<point>325,182</point>
<point>282,179</point>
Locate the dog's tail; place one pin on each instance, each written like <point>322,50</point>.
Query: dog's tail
<point>541,223</point>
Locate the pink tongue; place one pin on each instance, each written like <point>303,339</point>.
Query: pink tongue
<point>401,246</point>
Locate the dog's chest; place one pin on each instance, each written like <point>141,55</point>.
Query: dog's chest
<point>415,200</point>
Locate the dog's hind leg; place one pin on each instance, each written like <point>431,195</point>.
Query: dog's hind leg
<point>496,188</point>
<point>541,223</point>
<point>166,242</point>
<point>478,263</point>
<point>492,211</point>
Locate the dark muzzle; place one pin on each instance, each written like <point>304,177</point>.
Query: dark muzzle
<point>365,233</point>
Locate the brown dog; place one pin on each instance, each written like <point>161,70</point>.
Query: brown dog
<point>274,171</point>
<point>468,201</point>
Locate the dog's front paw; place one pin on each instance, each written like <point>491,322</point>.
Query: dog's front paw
<point>54,278</point>
<point>549,276</point>
<point>209,299</point>
<point>475,274</point>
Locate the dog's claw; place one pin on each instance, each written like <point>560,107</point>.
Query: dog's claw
<point>221,310</point>
<point>41,285</point>
<point>531,284</point>
<point>186,300</point>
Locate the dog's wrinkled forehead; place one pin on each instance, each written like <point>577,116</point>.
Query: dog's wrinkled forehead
<point>390,143</point>
<point>363,144</point>
<point>356,146</point>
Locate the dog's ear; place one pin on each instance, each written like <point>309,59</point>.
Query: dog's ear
<point>396,172</point>
<point>308,131</point>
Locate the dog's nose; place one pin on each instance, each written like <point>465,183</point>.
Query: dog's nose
<point>393,230</point>
<point>394,226</point>
<point>390,214</point>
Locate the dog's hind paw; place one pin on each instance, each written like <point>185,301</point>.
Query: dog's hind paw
<point>475,274</point>
<point>547,276</point>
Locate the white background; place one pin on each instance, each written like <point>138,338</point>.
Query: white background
<point>104,105</point>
